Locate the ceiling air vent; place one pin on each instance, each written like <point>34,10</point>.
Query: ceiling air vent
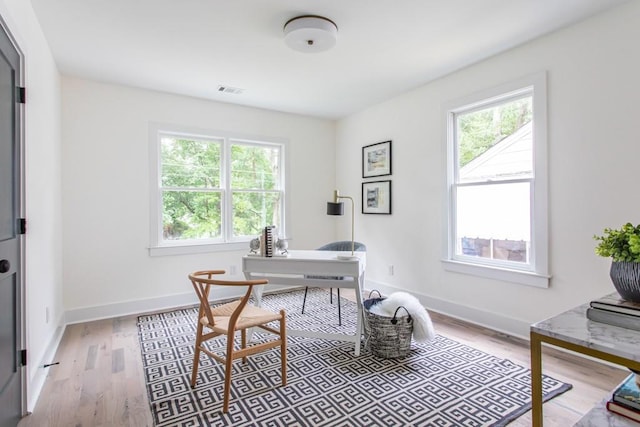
<point>230,89</point>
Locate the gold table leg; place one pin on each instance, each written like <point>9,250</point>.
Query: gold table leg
<point>536,380</point>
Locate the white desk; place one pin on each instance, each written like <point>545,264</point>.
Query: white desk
<point>573,331</point>
<point>291,271</point>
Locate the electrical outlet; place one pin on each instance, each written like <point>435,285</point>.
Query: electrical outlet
<point>390,269</point>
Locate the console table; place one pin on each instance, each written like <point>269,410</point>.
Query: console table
<point>572,330</point>
<point>294,269</point>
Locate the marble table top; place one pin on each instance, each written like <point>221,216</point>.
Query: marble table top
<point>574,327</point>
<point>600,417</point>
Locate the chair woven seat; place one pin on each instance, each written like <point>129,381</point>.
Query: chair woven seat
<point>249,317</point>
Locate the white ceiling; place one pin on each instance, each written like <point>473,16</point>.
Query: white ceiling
<point>384,47</point>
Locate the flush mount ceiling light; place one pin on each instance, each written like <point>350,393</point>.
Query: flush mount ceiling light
<point>310,33</point>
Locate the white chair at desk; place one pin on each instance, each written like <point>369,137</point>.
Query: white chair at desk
<point>342,245</point>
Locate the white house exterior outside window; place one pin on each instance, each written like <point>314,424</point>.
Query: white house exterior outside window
<point>497,184</point>
<point>212,190</point>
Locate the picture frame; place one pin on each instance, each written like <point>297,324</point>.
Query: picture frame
<point>376,159</point>
<point>376,197</point>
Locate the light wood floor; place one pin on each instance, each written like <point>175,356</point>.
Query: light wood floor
<point>99,381</point>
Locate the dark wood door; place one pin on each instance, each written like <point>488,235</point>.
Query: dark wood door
<point>10,249</point>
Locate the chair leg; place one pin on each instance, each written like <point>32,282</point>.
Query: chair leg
<point>228,372</point>
<point>243,335</point>
<point>283,347</point>
<point>196,355</point>
<point>304,300</point>
<point>339,314</point>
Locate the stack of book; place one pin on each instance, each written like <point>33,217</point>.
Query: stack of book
<point>625,400</point>
<point>615,311</point>
<point>267,241</point>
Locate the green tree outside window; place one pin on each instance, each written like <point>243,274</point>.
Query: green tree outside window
<point>193,190</point>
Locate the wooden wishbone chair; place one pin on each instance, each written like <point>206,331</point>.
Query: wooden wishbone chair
<point>227,319</point>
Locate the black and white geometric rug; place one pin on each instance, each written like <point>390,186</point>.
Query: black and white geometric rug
<point>440,383</point>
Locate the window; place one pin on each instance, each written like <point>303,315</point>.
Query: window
<point>212,190</point>
<point>497,184</point>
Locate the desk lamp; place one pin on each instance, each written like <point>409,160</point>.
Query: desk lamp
<point>337,208</point>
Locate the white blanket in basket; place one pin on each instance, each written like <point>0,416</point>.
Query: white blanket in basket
<point>422,325</point>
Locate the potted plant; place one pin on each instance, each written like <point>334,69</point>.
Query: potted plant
<point>623,247</point>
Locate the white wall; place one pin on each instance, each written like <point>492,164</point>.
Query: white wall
<point>43,276</point>
<point>593,92</point>
<point>107,268</point>
<point>103,197</point>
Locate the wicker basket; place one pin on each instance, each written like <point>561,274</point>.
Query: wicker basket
<point>389,337</point>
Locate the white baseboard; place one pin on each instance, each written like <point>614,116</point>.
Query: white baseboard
<point>37,372</point>
<point>487,319</point>
<point>149,305</point>
<point>125,308</point>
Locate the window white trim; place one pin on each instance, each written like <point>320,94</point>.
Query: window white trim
<point>156,245</point>
<point>537,273</point>
<point>496,273</point>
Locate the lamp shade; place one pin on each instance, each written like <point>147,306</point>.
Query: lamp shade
<point>335,208</point>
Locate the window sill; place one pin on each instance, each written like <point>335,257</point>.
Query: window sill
<point>197,249</point>
<point>513,276</point>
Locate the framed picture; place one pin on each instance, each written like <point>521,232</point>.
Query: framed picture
<point>376,197</point>
<point>376,159</point>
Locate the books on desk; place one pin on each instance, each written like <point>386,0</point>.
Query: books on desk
<point>626,412</point>
<point>615,311</point>
<point>625,399</point>
<point>613,302</point>
<point>612,318</point>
